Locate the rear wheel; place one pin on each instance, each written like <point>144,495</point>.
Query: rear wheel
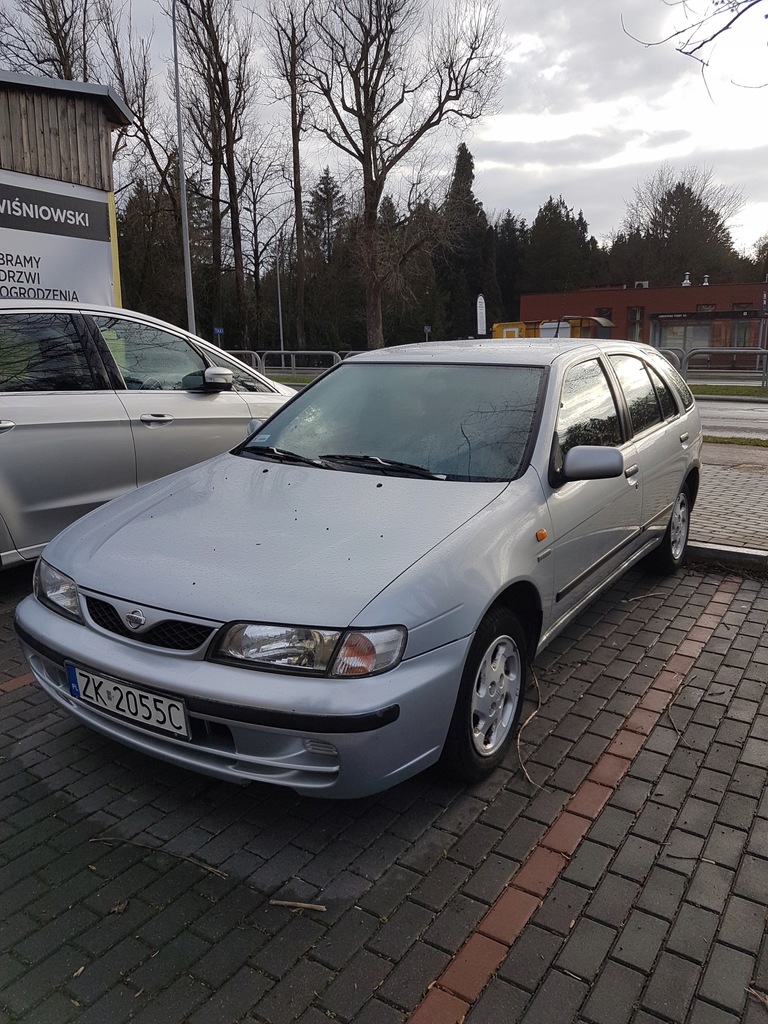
<point>490,698</point>
<point>669,556</point>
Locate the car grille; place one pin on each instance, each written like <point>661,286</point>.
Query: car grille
<point>173,634</point>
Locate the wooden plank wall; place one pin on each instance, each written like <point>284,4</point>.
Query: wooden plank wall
<point>55,135</point>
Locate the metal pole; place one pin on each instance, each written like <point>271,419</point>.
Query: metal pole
<point>279,306</point>
<point>183,187</point>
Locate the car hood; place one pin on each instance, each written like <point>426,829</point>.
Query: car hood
<point>239,538</point>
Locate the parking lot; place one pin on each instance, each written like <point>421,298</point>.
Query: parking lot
<point>617,874</point>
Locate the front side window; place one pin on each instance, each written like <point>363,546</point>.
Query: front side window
<point>461,422</point>
<point>644,410</point>
<point>42,352</point>
<point>588,413</point>
<point>149,358</point>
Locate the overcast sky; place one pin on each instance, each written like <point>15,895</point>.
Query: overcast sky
<point>587,112</point>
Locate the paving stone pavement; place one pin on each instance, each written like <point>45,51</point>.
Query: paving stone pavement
<point>614,870</point>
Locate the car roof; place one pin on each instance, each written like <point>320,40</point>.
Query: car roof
<point>31,306</point>
<point>517,351</point>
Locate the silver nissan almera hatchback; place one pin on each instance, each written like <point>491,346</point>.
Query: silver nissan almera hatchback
<point>356,591</point>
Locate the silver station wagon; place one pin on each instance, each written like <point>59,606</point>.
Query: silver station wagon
<point>95,401</point>
<point>356,592</point>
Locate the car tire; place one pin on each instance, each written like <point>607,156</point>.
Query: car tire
<point>670,554</point>
<point>490,698</point>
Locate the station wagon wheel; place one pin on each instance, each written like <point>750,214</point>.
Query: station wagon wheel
<point>668,557</point>
<point>490,698</point>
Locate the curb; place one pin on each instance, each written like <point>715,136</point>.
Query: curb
<point>738,559</point>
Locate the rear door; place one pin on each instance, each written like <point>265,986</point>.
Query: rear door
<point>65,439</point>
<point>174,422</point>
<point>661,438</point>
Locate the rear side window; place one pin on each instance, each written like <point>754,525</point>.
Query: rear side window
<point>42,352</point>
<point>678,384</point>
<point>644,409</point>
<point>667,402</point>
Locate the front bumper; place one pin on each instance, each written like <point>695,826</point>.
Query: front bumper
<point>321,737</point>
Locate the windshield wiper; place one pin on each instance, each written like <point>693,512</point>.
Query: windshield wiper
<point>283,455</point>
<point>377,464</point>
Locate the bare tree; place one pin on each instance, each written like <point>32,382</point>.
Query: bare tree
<point>677,222</point>
<point>56,37</point>
<point>388,73</point>
<point>219,46</point>
<point>264,207</point>
<point>703,25</point>
<point>289,35</point>
<point>645,212</point>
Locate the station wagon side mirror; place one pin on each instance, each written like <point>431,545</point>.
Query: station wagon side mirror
<point>217,378</point>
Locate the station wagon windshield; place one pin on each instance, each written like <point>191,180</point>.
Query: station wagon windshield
<point>445,421</point>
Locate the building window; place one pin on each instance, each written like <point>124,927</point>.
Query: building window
<point>705,307</point>
<point>635,316</point>
<point>739,306</point>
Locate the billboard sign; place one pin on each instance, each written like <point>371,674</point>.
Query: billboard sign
<point>54,241</point>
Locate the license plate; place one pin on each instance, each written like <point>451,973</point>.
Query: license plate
<point>111,696</point>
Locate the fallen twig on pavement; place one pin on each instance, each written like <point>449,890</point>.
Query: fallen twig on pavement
<point>159,849</point>
<point>520,732</point>
<point>297,906</point>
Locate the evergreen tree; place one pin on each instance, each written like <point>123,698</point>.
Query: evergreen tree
<point>466,262</point>
<point>677,223</point>
<point>324,215</point>
<point>560,254</point>
<point>511,245</point>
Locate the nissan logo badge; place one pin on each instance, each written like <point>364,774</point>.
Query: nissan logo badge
<point>135,619</point>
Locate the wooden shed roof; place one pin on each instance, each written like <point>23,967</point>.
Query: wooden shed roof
<point>118,113</point>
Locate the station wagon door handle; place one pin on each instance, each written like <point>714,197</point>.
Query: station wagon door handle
<point>156,419</point>
<point>631,471</point>
<point>6,425</point>
<point>684,437</point>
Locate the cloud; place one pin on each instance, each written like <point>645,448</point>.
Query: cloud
<point>588,111</point>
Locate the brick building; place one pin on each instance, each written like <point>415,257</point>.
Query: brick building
<point>684,318</point>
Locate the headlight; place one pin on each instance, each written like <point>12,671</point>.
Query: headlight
<point>55,590</point>
<point>333,652</point>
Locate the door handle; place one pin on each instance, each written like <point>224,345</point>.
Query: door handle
<point>632,470</point>
<point>156,419</point>
<point>684,437</point>
<point>6,425</point>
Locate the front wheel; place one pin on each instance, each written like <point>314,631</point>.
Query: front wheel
<point>669,556</point>
<point>490,698</point>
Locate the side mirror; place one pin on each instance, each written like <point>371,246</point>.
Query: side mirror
<point>588,462</point>
<point>253,426</point>
<point>217,378</point>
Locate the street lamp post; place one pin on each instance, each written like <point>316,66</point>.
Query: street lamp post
<point>279,305</point>
<point>183,186</point>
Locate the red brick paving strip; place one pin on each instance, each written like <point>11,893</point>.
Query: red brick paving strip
<point>14,684</point>
<point>450,997</point>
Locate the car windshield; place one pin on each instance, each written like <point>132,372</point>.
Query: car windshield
<point>456,421</point>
